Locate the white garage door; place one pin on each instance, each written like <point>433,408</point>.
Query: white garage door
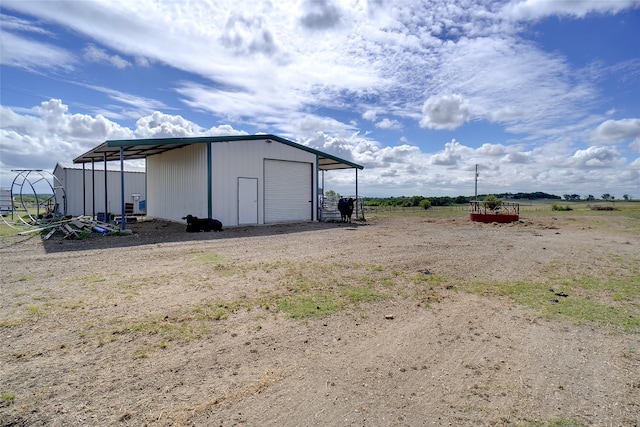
<point>287,191</point>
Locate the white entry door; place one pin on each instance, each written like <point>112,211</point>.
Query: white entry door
<point>247,201</point>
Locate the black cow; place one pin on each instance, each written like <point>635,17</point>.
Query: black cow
<point>345,206</point>
<point>195,224</point>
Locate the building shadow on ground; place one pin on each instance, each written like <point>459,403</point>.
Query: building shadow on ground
<point>155,232</point>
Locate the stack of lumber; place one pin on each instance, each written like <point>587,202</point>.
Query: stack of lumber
<point>72,228</point>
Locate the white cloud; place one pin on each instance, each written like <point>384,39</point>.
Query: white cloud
<point>248,35</point>
<point>516,157</point>
<point>159,125</point>
<point>21,52</point>
<point>502,79</point>
<point>142,61</point>
<point>597,157</point>
<point>493,150</point>
<point>389,124</point>
<point>452,154</point>
<point>95,54</point>
<point>369,115</point>
<point>536,9</point>
<point>444,112</point>
<point>142,105</point>
<point>405,155</point>
<point>506,114</point>
<point>49,133</point>
<point>506,154</point>
<point>616,131</point>
<point>255,51</point>
<point>15,24</point>
<point>319,14</point>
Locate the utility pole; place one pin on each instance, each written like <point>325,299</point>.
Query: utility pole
<point>476,191</point>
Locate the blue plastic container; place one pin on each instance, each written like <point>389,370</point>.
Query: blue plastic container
<point>99,229</point>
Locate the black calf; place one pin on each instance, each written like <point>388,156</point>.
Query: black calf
<point>195,224</point>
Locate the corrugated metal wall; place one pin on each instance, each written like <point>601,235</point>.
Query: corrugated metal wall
<point>177,183</point>
<point>245,159</point>
<point>71,180</point>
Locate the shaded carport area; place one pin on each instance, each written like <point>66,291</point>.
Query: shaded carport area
<point>136,149</point>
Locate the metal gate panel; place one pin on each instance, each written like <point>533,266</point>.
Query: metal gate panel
<point>288,192</point>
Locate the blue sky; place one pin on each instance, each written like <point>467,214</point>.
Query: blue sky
<point>543,95</point>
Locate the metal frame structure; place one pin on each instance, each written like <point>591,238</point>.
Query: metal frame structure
<point>49,207</point>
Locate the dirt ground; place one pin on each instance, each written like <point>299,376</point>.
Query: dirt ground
<point>165,328</point>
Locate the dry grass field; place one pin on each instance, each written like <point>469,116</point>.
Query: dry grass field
<point>402,320</point>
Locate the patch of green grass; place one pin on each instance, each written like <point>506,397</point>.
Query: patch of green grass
<point>433,279</point>
<point>218,310</point>
<point>603,302</point>
<point>429,290</point>
<point>9,323</point>
<point>35,311</point>
<point>73,305</point>
<point>558,422</point>
<point>417,211</point>
<point>129,288</point>
<point>9,234</point>
<point>94,278</point>
<point>140,353</point>
<point>356,295</point>
<point>7,397</point>
<point>305,303</point>
<point>627,212</point>
<point>210,258</point>
<point>316,289</point>
<point>216,261</point>
<point>187,325</point>
<point>311,304</point>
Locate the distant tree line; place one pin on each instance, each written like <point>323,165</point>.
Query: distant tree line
<point>414,201</point>
<point>590,198</point>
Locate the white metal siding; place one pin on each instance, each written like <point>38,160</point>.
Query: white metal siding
<point>288,191</point>
<point>177,183</point>
<point>245,159</point>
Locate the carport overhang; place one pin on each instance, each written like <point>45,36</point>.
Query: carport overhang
<point>134,149</point>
